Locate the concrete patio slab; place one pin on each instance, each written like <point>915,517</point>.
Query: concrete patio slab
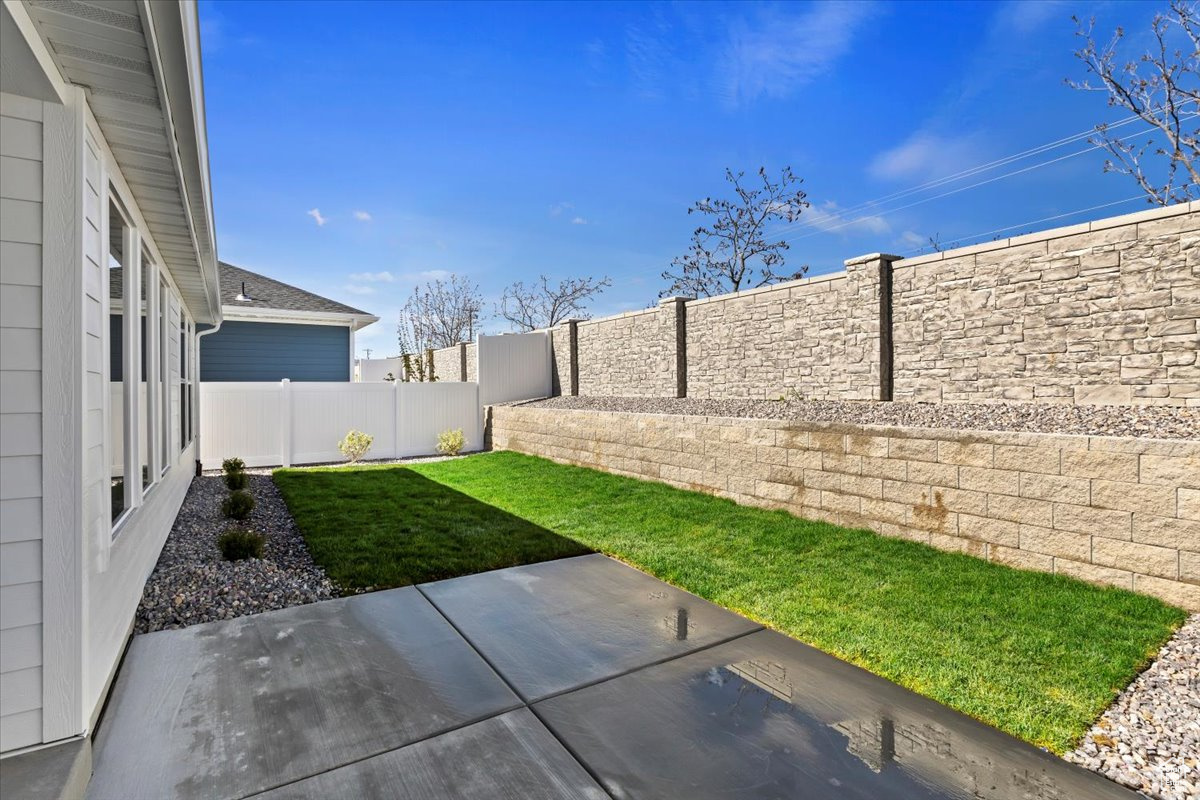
<point>766,716</point>
<point>512,755</point>
<point>559,625</point>
<point>231,708</point>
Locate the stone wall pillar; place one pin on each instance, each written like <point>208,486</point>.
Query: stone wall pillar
<point>867,353</point>
<point>564,355</point>
<point>462,361</point>
<point>673,313</point>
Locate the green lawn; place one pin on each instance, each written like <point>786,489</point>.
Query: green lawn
<point>1037,655</point>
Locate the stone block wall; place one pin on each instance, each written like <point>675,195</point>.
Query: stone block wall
<point>632,354</point>
<point>1104,312</point>
<point>1119,511</point>
<point>447,364</point>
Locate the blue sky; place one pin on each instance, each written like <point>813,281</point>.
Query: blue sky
<point>360,148</point>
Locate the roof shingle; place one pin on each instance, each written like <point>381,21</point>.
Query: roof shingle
<point>264,293</point>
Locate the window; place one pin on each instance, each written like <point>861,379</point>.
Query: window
<point>123,353</point>
<point>163,388</point>
<point>148,385</point>
<point>185,389</point>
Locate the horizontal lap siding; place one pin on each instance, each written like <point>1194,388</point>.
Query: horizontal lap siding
<point>20,422</point>
<point>272,351</point>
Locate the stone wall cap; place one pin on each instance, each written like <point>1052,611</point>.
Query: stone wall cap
<point>872,257</point>
<point>676,298</point>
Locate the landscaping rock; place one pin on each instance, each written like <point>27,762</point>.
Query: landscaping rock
<point>192,583</point>
<point>1149,739</point>
<point>1161,422</point>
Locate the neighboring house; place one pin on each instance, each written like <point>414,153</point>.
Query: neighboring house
<point>273,330</point>
<point>103,166</point>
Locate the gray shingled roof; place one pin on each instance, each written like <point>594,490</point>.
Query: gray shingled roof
<point>265,292</point>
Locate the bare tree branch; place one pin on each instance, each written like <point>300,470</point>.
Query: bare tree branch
<point>732,252</point>
<point>444,313</point>
<point>541,305</point>
<point>1162,88</point>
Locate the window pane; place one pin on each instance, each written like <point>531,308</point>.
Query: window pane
<point>146,435</point>
<point>116,362</point>
<point>163,386</point>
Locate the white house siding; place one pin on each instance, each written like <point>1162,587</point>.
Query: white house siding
<point>116,568</point>
<point>20,421</point>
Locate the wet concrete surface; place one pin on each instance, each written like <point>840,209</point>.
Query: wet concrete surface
<point>555,626</point>
<point>552,680</point>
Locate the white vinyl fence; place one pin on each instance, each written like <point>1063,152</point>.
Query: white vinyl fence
<point>267,424</point>
<point>375,370</point>
<point>514,367</point>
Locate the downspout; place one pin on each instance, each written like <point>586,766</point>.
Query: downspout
<point>196,408</point>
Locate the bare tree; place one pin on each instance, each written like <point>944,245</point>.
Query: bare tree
<point>1162,88</point>
<point>543,305</point>
<point>444,313</point>
<point>732,252</point>
<point>416,349</point>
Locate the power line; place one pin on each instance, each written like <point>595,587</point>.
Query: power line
<point>1039,165</point>
<point>958,241</point>
<point>966,173</point>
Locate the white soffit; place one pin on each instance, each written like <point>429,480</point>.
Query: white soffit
<point>104,46</point>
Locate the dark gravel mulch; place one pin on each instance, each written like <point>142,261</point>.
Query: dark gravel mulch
<point>192,583</point>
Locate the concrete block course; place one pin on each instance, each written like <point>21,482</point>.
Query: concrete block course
<point>1118,511</point>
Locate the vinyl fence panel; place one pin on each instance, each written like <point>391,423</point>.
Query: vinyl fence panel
<point>285,423</point>
<point>323,413</point>
<point>514,367</point>
<point>240,419</point>
<point>427,409</point>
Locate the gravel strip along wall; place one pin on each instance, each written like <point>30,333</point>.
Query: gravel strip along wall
<point>1098,313</point>
<point>1116,510</point>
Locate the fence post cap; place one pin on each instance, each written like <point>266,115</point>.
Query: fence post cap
<point>675,298</point>
<point>286,380</point>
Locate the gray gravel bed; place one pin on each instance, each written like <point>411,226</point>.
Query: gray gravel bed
<point>1149,739</point>
<point>1163,422</point>
<point>192,583</point>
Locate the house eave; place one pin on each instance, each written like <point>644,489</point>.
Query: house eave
<point>139,65</point>
<point>242,314</point>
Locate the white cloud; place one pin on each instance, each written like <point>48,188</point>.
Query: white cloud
<point>362,216</point>
<point>373,277</point>
<point>925,156</point>
<point>779,52</point>
<point>316,215</point>
<point>434,275</point>
<point>579,221</point>
<point>1023,17</point>
<point>831,219</point>
<point>557,209</point>
<point>352,289</point>
<point>912,239</point>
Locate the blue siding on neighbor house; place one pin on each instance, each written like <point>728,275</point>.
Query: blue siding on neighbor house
<point>272,351</point>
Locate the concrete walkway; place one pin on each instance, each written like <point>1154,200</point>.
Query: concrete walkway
<point>579,678</point>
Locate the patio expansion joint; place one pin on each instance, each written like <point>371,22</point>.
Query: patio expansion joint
<point>532,704</point>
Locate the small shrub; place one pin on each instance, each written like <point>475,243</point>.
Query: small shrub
<point>236,480</point>
<point>238,543</point>
<point>450,443</point>
<point>232,465</point>
<point>238,505</point>
<point>355,445</point>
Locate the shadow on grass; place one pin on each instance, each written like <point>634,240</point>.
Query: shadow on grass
<point>382,528</point>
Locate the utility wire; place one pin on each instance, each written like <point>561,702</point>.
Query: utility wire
<point>1039,165</point>
<point>959,241</point>
<point>966,173</point>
